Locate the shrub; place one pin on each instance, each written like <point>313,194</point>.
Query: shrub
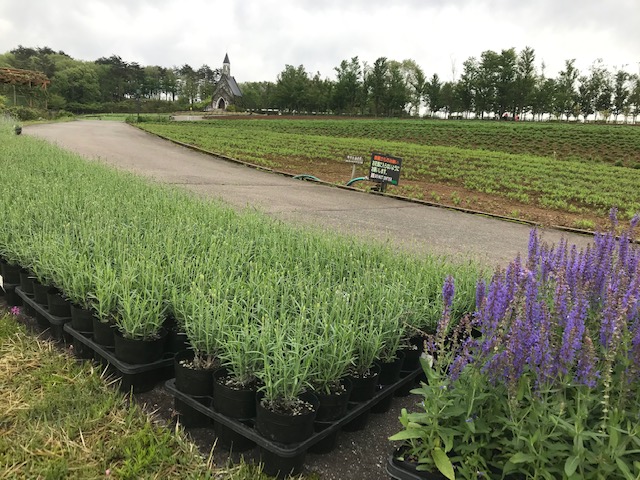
<point>549,389</point>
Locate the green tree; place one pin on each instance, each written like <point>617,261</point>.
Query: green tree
<point>207,81</point>
<point>188,84</point>
<point>505,87</point>
<point>566,96</point>
<point>433,94</point>
<point>78,84</point>
<point>465,89</point>
<point>634,97</point>
<point>258,95</point>
<point>348,86</point>
<point>113,77</point>
<point>292,89</point>
<point>397,93</point>
<point>320,93</point>
<point>620,93</point>
<point>378,86</point>
<point>450,101</point>
<point>525,81</point>
<point>485,98</point>
<point>415,82</point>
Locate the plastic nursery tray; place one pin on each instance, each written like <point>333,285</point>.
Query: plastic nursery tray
<point>56,323</point>
<point>293,449</point>
<point>140,377</point>
<point>11,295</point>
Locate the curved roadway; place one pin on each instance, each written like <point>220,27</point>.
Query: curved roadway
<point>414,227</point>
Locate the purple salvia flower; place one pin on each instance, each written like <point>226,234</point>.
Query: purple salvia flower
<point>448,291</point>
<point>560,300</point>
<point>533,258</point>
<point>586,372</point>
<point>572,336</point>
<point>609,324</point>
<point>623,251</point>
<point>634,221</point>
<point>464,358</point>
<point>613,216</point>
<point>634,354</point>
<point>542,345</point>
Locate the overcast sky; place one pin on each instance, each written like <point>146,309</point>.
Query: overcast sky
<point>262,36</point>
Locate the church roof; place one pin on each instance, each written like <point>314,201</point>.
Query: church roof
<point>235,89</point>
<point>226,58</point>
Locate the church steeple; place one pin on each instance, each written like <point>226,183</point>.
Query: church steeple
<point>226,66</point>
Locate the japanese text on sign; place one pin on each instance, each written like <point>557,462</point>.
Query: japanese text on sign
<point>385,168</point>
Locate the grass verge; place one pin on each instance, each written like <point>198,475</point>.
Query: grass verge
<point>60,420</point>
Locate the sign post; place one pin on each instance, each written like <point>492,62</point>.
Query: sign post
<point>385,169</point>
<point>354,160</point>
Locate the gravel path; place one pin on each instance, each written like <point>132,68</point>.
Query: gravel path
<point>416,228</point>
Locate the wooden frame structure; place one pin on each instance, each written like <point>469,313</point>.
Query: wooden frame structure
<point>17,76</point>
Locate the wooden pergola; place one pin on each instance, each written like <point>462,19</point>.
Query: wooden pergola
<point>17,76</point>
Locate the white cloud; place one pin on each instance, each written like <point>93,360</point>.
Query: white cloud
<point>261,36</point>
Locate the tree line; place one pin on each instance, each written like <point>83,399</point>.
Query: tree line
<point>507,83</point>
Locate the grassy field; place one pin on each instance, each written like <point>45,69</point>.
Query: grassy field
<point>61,420</point>
<point>551,173</point>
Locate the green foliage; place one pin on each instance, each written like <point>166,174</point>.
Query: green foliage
<point>292,307</point>
<point>26,114</point>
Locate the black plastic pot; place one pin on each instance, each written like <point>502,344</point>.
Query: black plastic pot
<point>286,428</point>
<point>138,351</point>
<point>232,402</point>
<point>40,293</point>
<point>57,304</point>
<point>390,371</point>
<point>196,382</point>
<point>358,423</point>
<point>281,467</point>
<point>363,388</point>
<point>230,440</point>
<point>406,470</point>
<point>189,416</point>
<point>176,341</point>
<point>103,333</point>
<point>26,282</point>
<point>80,350</point>
<point>383,405</point>
<point>10,295</point>
<point>333,406</point>
<point>327,444</point>
<point>411,358</point>
<point>81,319</point>
<point>10,273</point>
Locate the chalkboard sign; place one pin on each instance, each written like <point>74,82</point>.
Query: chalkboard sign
<point>385,168</point>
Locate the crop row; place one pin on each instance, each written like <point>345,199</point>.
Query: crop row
<point>540,181</point>
<point>608,143</point>
<point>291,308</point>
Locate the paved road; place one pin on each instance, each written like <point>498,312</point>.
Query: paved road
<point>414,227</point>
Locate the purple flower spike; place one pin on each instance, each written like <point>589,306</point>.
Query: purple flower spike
<point>613,216</point>
<point>448,291</point>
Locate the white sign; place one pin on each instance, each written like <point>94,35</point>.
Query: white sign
<point>355,159</point>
